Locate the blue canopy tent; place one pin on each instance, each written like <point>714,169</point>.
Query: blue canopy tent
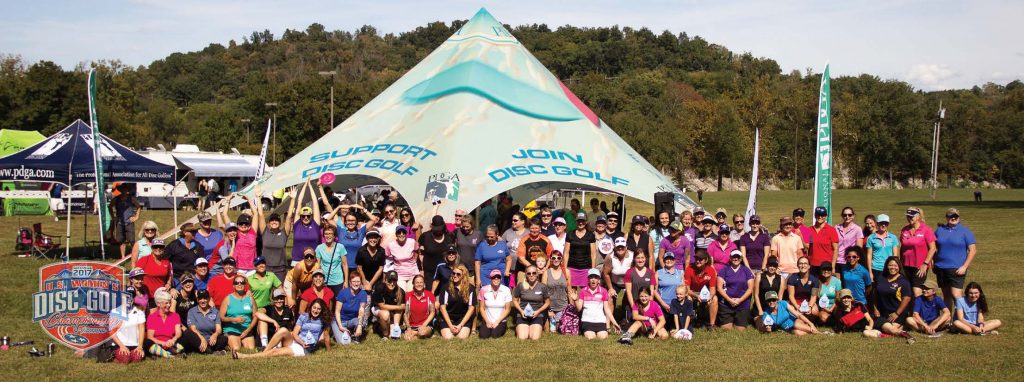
<point>67,158</point>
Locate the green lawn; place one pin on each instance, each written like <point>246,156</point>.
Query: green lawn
<point>730,355</point>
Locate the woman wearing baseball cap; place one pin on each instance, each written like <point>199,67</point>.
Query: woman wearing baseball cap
<point>595,307</point>
<point>880,245</point>
<point>204,332</point>
<point>157,268</point>
<point>495,306</point>
<point>956,248</point>
<point>388,303</point>
<point>370,260</point>
<point>677,244</point>
<point>917,248</point>
<point>780,315</point>
<point>721,249</point>
<point>305,230</point>
<point>850,316</point>
<point>319,290</point>
<point>614,273</point>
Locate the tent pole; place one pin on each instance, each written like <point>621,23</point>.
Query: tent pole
<point>67,234</point>
<point>99,216</point>
<point>174,197</point>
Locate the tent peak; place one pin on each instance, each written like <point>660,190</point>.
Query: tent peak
<point>484,25</point>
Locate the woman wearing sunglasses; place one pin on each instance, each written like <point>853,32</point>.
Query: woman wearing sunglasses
<point>956,250</point>
<point>388,303</point>
<point>238,316</point>
<point>300,277</point>
<point>531,299</point>
<point>495,305</point>
<point>850,235</point>
<point>406,218</point>
<point>305,231</point>
<point>557,277</point>
<point>457,305</point>
<point>142,247</point>
<point>310,331</point>
<point>917,248</point>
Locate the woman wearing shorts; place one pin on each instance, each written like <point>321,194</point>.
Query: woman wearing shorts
<point>892,300</point>
<point>556,277</point>
<point>495,305</point>
<point>780,315</point>
<point>531,299</point>
<point>456,305</point>
<point>238,315</point>
<point>595,307</point>
<point>420,309</point>
<point>310,331</point>
<point>917,247</point>
<point>956,247</point>
<point>971,311</point>
<point>880,245</point>
<point>648,319</point>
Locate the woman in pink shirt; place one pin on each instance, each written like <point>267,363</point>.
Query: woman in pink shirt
<point>917,247</point>
<point>163,328</point>
<point>850,234</point>
<point>720,249</point>
<point>403,252</point>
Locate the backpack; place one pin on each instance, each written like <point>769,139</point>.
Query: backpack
<point>570,322</point>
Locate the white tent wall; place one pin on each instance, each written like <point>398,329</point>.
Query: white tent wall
<point>478,116</point>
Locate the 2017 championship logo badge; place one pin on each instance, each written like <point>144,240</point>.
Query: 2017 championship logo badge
<point>80,303</point>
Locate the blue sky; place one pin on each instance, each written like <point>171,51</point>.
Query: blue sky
<point>932,44</point>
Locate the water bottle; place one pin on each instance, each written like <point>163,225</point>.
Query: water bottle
<point>705,294</point>
<point>823,302</point>
<point>768,321</point>
<point>805,307</point>
<point>528,312</point>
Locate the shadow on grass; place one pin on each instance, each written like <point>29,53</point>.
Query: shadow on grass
<point>965,204</point>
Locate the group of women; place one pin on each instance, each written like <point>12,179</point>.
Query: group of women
<point>357,273</point>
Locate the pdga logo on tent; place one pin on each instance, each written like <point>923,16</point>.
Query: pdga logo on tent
<point>80,303</point>
<point>441,186</point>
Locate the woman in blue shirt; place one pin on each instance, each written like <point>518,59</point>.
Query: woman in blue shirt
<point>956,250</point>
<point>879,246</point>
<point>785,317</point>
<point>971,310</point>
<point>490,255</point>
<point>310,331</point>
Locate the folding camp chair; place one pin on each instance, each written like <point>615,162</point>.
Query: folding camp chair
<point>23,242</point>
<point>44,246</point>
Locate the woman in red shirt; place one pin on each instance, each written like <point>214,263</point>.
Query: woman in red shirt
<point>318,290</point>
<point>157,268</point>
<point>420,310</point>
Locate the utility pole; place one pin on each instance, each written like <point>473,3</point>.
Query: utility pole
<point>246,122</point>
<point>273,128</point>
<point>332,74</point>
<point>935,150</point>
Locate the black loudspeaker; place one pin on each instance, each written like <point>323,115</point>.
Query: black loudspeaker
<point>664,201</point>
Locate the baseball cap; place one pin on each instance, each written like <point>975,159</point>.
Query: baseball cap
<point>825,266</point>
<point>669,255</point>
<point>601,220</point>
<point>305,211</point>
<point>771,295</point>
<point>231,227</point>
<point>187,277</point>
<point>799,212</point>
<point>244,219</point>
<point>785,220</point>
<point>319,272</point>
<point>724,229</point>
<point>452,249</point>
<point>559,220</point>
<point>593,272</point>
<point>952,212</point>
<point>676,226</point>
<point>638,219</point>
<point>620,242</point>
<point>228,261</point>
<point>721,212</point>
<point>136,272</point>
<point>913,211</point>
<point>613,214</point>
<point>202,261</point>
<point>581,216</point>
<point>278,293</point>
<point>392,275</point>
<point>372,232</point>
<point>494,272</point>
<point>929,284</point>
<point>708,219</point>
<point>755,218</point>
<point>189,227</point>
<point>773,261</point>
<point>202,293</point>
<point>735,253</point>
<point>882,218</point>
<point>157,243</point>
<point>437,221</point>
<point>820,211</point>
<point>402,229</point>
<point>204,216</point>
<point>274,217</point>
<point>259,260</point>
<point>698,210</point>
<point>844,293</point>
<point>325,216</point>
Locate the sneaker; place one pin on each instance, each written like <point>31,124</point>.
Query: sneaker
<point>220,353</point>
<point>910,340</point>
<point>994,332</point>
<point>626,339</point>
<point>935,335</point>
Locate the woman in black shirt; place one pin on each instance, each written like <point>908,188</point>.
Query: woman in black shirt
<point>457,305</point>
<point>370,260</point>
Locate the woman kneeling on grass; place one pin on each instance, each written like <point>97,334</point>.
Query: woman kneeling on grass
<point>783,316</point>
<point>647,319</point>
<point>530,299</point>
<point>850,316</point>
<point>457,305</point>
<point>310,331</point>
<point>971,310</point>
<point>419,310</point>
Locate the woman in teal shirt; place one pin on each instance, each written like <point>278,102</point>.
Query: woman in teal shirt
<point>880,245</point>
<point>333,260</point>
<point>827,291</point>
<point>238,316</point>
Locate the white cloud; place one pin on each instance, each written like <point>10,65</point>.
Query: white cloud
<point>931,76</point>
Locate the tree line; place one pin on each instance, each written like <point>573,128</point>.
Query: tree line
<point>687,105</point>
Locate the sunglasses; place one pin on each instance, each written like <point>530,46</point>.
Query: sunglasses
<point>847,215</point>
<point>531,273</point>
<point>239,283</point>
<point>309,256</point>
<point>556,257</point>
<point>457,274</point>
<point>852,256</point>
<point>545,215</point>
<point>389,211</point>
<point>495,277</point>
<point>738,222</point>
<point>406,215</point>
<point>755,222</point>
<point>150,229</point>
<point>307,216</point>
<point>517,220</point>
<point>952,216</point>
<point>559,224</point>
<point>613,220</point>
<point>243,224</point>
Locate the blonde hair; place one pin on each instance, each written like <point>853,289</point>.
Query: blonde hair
<point>463,286</point>
<point>525,283</point>
<point>161,295</point>
<point>149,224</point>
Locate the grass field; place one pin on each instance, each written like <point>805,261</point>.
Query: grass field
<point>725,355</point>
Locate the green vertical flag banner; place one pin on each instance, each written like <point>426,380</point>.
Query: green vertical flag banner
<point>823,150</point>
<point>97,155</point>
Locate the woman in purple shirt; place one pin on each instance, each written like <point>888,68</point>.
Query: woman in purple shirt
<point>305,230</point>
<point>754,244</point>
<point>677,244</point>
<point>850,234</point>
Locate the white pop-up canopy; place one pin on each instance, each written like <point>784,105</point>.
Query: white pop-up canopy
<point>477,117</point>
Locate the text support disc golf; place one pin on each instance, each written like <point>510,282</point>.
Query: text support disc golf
<point>327,178</point>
